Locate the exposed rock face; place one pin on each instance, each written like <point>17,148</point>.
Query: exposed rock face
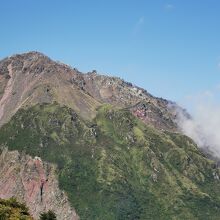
<point>152,114</point>
<point>33,78</point>
<point>33,182</point>
<point>114,90</point>
<point>111,164</point>
<point>158,112</point>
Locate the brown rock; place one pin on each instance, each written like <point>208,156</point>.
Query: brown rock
<point>34,182</point>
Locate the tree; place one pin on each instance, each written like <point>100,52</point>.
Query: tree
<point>12,209</point>
<point>50,215</point>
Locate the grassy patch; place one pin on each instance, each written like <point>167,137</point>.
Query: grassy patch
<point>116,167</point>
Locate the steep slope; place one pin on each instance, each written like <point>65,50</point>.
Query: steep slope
<point>33,78</point>
<point>113,148</point>
<point>33,182</point>
<point>152,110</point>
<point>116,167</point>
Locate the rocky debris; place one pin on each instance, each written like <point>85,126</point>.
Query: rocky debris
<point>111,90</point>
<point>152,114</point>
<point>78,80</point>
<point>7,92</point>
<point>32,72</point>
<point>4,75</point>
<point>154,177</point>
<point>34,182</point>
<point>158,112</point>
<point>4,66</point>
<point>35,78</point>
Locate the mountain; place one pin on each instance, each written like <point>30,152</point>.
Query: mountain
<point>33,78</point>
<point>91,146</point>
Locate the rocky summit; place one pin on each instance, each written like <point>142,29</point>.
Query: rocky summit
<point>90,146</point>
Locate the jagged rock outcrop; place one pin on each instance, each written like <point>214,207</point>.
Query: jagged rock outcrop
<point>34,182</point>
<point>32,78</point>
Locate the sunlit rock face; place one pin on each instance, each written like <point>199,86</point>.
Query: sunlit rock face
<point>34,182</point>
<point>97,147</point>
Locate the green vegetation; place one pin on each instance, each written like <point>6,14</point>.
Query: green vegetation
<point>50,215</point>
<point>116,167</point>
<point>11,209</point>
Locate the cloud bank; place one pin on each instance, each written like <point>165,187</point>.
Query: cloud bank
<point>204,126</point>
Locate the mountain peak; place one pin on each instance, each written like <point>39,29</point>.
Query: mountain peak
<point>32,78</point>
<point>29,54</point>
<point>106,140</point>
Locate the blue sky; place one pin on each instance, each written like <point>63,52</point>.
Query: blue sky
<point>171,48</point>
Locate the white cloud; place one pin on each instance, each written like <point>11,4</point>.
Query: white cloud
<point>169,7</point>
<point>140,22</point>
<point>204,126</point>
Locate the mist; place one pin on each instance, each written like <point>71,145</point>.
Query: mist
<point>204,125</point>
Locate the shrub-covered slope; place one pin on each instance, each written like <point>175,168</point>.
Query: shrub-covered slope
<point>116,167</point>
